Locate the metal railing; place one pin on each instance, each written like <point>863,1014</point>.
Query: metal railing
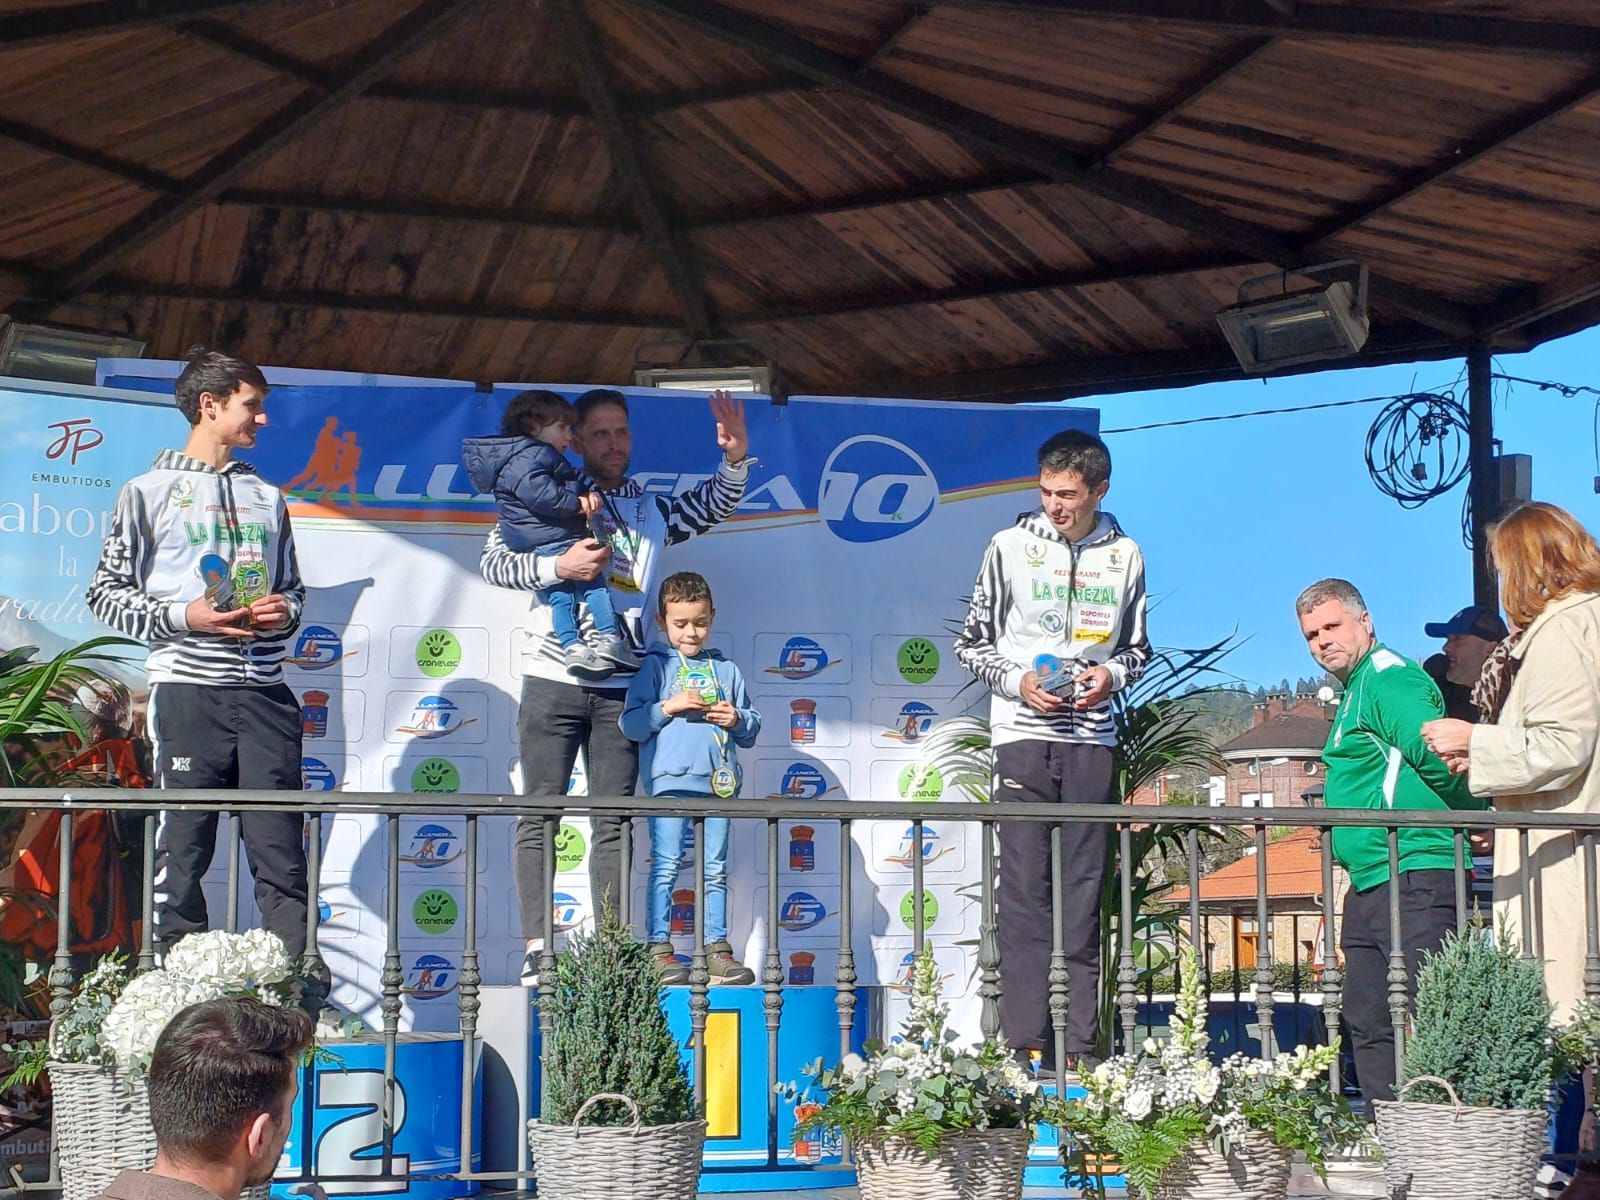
<point>846,815</point>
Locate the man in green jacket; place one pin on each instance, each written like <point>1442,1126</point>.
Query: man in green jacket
<point>1375,759</point>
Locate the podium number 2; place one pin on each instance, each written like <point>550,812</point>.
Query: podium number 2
<point>346,1148</point>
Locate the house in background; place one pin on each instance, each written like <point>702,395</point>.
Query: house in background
<point>1277,762</point>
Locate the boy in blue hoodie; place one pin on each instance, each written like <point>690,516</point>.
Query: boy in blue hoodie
<point>543,503</point>
<point>689,710</point>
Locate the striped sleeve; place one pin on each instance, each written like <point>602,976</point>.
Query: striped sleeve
<point>1133,652</point>
<point>713,502</point>
<point>504,567</point>
<point>977,646</point>
<point>116,592</point>
<point>290,586</point>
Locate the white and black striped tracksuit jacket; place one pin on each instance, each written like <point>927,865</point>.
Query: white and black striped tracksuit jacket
<point>659,521</point>
<point>168,521</point>
<point>1037,593</point>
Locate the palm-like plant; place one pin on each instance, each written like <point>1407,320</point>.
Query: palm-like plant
<point>36,709</point>
<point>1158,731</point>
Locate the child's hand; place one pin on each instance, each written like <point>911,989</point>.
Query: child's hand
<point>683,704</point>
<point>723,714</point>
<point>589,503</point>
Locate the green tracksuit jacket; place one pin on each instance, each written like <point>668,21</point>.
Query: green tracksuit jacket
<point>1375,758</point>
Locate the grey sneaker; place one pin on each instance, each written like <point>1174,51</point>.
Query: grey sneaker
<point>615,650</point>
<point>672,971</point>
<point>586,664</point>
<point>725,968</point>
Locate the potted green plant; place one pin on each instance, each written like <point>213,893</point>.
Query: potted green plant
<point>99,1046</point>
<point>1472,1118</point>
<point>1183,1126</point>
<point>612,1061</point>
<point>927,1118</point>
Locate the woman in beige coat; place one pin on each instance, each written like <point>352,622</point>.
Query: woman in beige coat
<point>1540,753</point>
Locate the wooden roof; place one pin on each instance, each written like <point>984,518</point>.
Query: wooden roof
<point>957,198</point>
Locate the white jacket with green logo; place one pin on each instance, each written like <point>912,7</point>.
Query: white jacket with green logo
<point>1037,593</point>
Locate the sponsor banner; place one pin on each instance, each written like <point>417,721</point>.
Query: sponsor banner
<point>837,583</point>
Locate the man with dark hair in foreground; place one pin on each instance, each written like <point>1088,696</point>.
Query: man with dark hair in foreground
<point>223,1081</point>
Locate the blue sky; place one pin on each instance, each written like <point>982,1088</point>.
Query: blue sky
<point>1236,517</point>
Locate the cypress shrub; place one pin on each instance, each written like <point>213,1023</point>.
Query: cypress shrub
<point>608,1034</point>
<point>1483,1023</point>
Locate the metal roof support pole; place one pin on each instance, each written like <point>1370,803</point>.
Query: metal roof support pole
<point>1484,488</point>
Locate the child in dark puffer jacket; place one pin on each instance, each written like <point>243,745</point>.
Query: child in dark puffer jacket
<point>542,505</point>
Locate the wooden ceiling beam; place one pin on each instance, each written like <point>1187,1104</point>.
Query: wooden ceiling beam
<point>396,305</point>
<point>416,27</point>
<point>671,247</point>
<point>1346,22</point>
<point>880,197</point>
<point>1494,137</point>
<point>34,26</point>
<point>1113,373</point>
<point>1542,302</point>
<point>979,130</point>
<point>423,210</point>
<point>908,21</point>
<point>111,164</point>
<point>990,289</point>
<point>1212,76</point>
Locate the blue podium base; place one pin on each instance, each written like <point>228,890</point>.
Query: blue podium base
<point>339,1118</point>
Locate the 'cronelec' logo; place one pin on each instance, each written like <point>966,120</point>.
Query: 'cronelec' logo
<point>801,910</point>
<point>432,846</point>
<point>875,488</point>
<point>912,723</point>
<point>801,658</point>
<point>436,775</point>
<point>435,716</point>
<point>317,776</point>
<point>316,649</point>
<point>568,912</point>
<point>435,911</point>
<point>431,976</point>
<point>802,781</point>
<point>438,653</point>
<point>932,850</point>
<point>78,436</point>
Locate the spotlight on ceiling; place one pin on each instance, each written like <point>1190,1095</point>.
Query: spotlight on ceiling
<point>750,380</point>
<point>1327,320</point>
<point>60,355</point>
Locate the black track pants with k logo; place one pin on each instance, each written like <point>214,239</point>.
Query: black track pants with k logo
<point>224,738</point>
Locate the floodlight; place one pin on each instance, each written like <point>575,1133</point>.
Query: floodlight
<point>1328,320</point>
<point>706,379</point>
<point>60,355</point>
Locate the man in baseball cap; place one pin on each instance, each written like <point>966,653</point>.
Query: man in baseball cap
<point>1468,636</point>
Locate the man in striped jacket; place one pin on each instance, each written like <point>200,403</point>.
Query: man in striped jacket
<point>1055,627</point>
<point>200,564</point>
<point>558,715</point>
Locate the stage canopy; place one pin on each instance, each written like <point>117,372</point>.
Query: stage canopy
<point>955,199</point>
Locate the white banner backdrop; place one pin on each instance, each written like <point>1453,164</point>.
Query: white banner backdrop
<point>838,584</point>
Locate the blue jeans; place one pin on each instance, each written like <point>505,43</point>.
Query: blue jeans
<point>564,598</point>
<point>666,847</point>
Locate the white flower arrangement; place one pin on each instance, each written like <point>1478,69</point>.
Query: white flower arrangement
<point>1143,1109</point>
<point>921,1085</point>
<point>114,1019</point>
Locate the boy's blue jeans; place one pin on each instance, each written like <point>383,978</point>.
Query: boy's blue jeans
<point>666,847</point>
<point>564,598</point>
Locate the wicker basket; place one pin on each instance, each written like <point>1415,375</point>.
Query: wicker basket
<point>973,1164</point>
<point>1453,1152</point>
<point>573,1162</point>
<point>1256,1168</point>
<point>101,1124</point>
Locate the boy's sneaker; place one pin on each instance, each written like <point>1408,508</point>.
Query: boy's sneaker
<point>615,650</point>
<point>725,968</point>
<point>586,664</point>
<point>671,970</point>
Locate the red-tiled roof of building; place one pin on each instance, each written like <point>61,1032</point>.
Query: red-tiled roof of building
<point>1294,871</point>
<point>1285,732</point>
